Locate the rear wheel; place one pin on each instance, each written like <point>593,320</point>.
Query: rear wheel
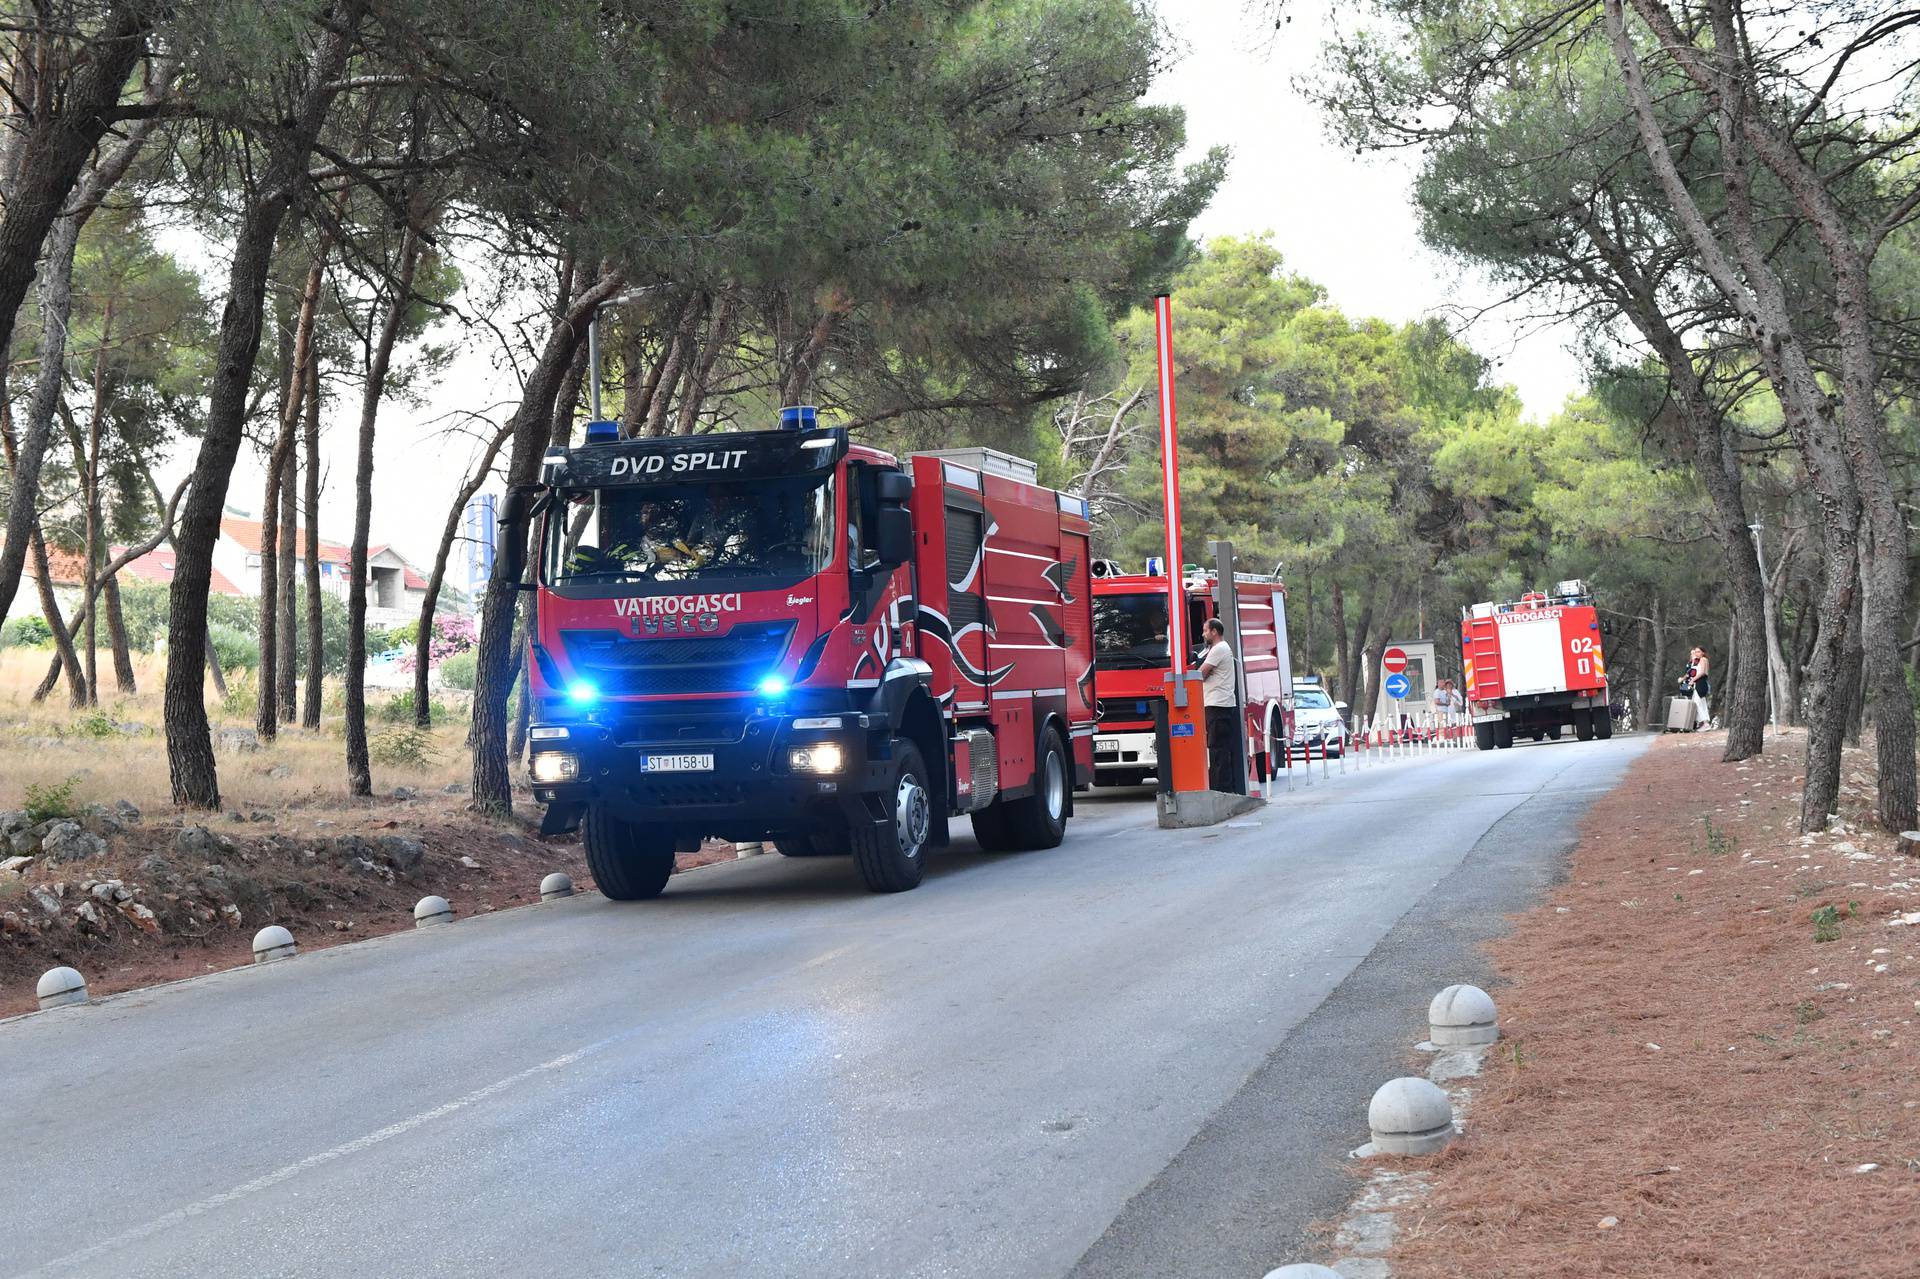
<point>1583,724</point>
<point>1502,734</point>
<point>1039,820</point>
<point>892,855</point>
<point>1483,736</point>
<point>629,862</point>
<point>1603,723</point>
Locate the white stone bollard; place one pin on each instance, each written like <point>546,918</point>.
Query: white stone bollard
<point>1410,1116</point>
<point>556,886</point>
<point>61,986</point>
<point>1461,1016</point>
<point>1303,1270</point>
<point>271,943</point>
<point>432,910</point>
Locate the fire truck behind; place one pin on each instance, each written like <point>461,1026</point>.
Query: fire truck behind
<point>787,636</point>
<point>1534,667</point>
<point>1130,651</point>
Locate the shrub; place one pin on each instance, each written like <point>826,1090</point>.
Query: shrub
<point>95,723</point>
<point>242,699</point>
<point>460,670</point>
<point>452,634</point>
<point>30,631</point>
<point>403,748</point>
<point>235,649</point>
<point>54,799</point>
<point>398,709</point>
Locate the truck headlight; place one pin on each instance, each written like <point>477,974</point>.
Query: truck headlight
<point>821,757</point>
<point>555,766</point>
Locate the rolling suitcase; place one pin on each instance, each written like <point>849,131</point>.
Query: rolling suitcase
<point>1680,712</point>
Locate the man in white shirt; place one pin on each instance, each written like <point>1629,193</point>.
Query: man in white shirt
<point>1216,674</point>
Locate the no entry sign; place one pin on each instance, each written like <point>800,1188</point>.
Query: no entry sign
<point>1394,660</point>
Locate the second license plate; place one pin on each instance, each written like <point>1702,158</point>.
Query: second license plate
<point>679,764</point>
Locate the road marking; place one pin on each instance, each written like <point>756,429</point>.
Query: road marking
<point>354,1147</point>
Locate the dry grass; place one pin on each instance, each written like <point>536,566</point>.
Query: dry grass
<point>300,777</point>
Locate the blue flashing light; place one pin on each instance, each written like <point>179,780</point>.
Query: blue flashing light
<point>582,693</point>
<point>773,686</point>
<point>799,417</point>
<point>602,431</point>
<point>1156,566</point>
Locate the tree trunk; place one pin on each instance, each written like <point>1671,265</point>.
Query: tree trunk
<point>316,635</point>
<point>430,599</point>
<point>62,641</point>
<point>531,426</point>
<point>359,767</point>
<point>699,376</point>
<point>1656,715</point>
<point>213,669</point>
<point>117,630</point>
<point>1777,681</point>
<point>287,632</point>
<point>195,774</point>
<point>679,355</point>
<point>277,525</point>
<point>523,710</point>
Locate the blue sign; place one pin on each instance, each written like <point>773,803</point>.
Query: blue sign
<point>1398,686</point>
<point>1181,730</point>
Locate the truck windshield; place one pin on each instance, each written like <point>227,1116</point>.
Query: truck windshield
<point>773,530</point>
<point>1130,631</point>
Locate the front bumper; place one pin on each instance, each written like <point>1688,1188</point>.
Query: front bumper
<point>1128,751</point>
<point>749,792</point>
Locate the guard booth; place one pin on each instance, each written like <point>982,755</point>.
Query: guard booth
<point>1414,708</point>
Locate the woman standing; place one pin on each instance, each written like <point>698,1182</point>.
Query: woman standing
<point>1700,685</point>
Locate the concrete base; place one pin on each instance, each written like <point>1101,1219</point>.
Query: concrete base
<point>1189,808</point>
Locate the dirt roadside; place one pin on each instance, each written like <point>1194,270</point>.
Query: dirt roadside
<point>1709,1055</point>
<point>168,899</point>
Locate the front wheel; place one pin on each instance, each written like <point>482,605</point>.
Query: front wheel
<point>1039,820</point>
<point>629,862</point>
<point>892,855</point>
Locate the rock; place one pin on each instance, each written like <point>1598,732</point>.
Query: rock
<point>27,841</point>
<point>154,866</point>
<point>13,821</point>
<point>67,842</point>
<point>469,863</point>
<point>17,865</point>
<point>142,918</point>
<point>231,911</point>
<point>454,788</point>
<point>242,740</point>
<point>45,900</point>
<point>127,812</point>
<point>198,841</point>
<point>279,772</point>
<point>102,891</point>
<point>1910,842</point>
<point>258,816</point>
<point>236,816</point>
<point>128,728</point>
<point>402,852</point>
<point>88,914</point>
<point>405,793</point>
<point>1608,1223</point>
<point>98,819</point>
<point>11,924</point>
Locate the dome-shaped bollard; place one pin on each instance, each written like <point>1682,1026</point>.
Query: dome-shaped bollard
<point>61,986</point>
<point>432,910</point>
<point>271,943</point>
<point>1410,1117</point>
<point>1461,1016</point>
<point>1303,1270</point>
<point>555,886</point>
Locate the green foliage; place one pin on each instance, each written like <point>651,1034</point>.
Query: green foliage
<point>243,695</point>
<point>398,709</point>
<point>49,800</point>
<point>95,723</point>
<point>1826,924</point>
<point>459,670</point>
<point>30,631</point>
<point>403,748</point>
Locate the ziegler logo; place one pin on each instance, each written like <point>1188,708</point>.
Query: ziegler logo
<point>793,600</point>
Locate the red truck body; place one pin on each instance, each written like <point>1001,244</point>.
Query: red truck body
<point>784,636</point>
<point>1534,666</point>
<point>1131,667</point>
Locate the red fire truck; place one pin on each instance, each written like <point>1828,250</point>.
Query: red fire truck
<point>1131,664</point>
<point>783,635</point>
<point>1534,666</point>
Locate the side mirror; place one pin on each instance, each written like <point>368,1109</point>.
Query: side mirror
<point>893,535</point>
<point>892,488</point>
<point>1340,706</point>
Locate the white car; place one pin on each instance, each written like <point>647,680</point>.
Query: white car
<point>1319,720</point>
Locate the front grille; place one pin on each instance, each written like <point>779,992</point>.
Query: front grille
<point>734,662</point>
<point>1125,710</point>
<point>678,793</point>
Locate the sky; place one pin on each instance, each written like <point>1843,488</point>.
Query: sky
<point>1339,219</point>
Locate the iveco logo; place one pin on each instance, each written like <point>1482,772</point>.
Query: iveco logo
<point>690,624</point>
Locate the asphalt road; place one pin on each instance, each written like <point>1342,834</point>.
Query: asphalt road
<point>1141,1053</point>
